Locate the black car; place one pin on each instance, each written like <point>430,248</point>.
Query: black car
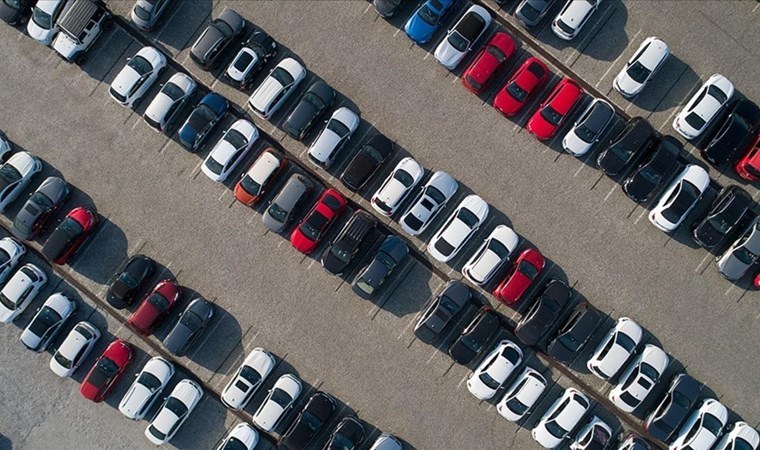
<point>667,418</point>
<point>574,335</point>
<point>256,51</point>
<point>366,162</point>
<point>219,34</point>
<point>13,11</point>
<point>653,171</point>
<point>474,338</point>
<point>734,135</point>
<point>387,8</point>
<point>729,212</point>
<point>190,325</point>
<point>637,136</point>
<point>545,313</point>
<point>128,280</point>
<point>441,309</point>
<point>347,435</point>
<point>346,244</point>
<point>391,253</point>
<point>530,12</point>
<point>312,104</point>
<point>310,421</point>
<point>41,206</point>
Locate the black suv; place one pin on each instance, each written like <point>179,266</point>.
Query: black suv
<point>344,247</point>
<point>729,212</point>
<point>628,146</point>
<point>545,313</point>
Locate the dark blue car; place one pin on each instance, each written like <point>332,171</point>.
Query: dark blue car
<point>202,120</point>
<point>426,19</point>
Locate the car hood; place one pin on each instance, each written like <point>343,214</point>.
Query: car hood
<point>456,233</point>
<point>136,397</point>
<point>627,84</point>
<point>177,338</point>
<point>485,266</point>
<point>64,45</point>
<point>575,145</point>
<point>418,29</point>
<point>125,80</point>
<point>40,34</point>
<point>392,192</point>
<point>24,163</point>
<point>267,416</point>
<point>375,273</point>
<point>222,152</point>
<point>265,92</point>
<point>158,106</point>
<point>325,144</point>
<point>447,55</point>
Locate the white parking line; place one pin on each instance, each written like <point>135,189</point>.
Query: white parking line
<point>414,319</point>
<point>702,262</point>
<point>459,385</point>
<point>729,289</point>
<point>367,8</point>
<point>224,191</point>
<point>610,192</point>
<point>615,61</point>
<point>755,8</point>
<point>398,30</point>
<point>640,216</point>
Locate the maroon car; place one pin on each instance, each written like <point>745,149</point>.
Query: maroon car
<point>155,306</point>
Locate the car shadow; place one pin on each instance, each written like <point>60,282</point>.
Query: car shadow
<point>669,86</point>
<point>222,333</point>
<point>191,18</point>
<point>610,40</point>
<point>99,256</point>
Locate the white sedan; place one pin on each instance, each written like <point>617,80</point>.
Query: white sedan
<point>15,176</point>
<point>573,17</point>
<point>679,198</point>
<point>491,256</point>
<point>173,413</point>
<point>281,398</point>
<point>136,78</point>
<point>20,290</point>
<point>48,322</point>
<point>462,36</point>
<point>458,228</point>
<point>595,434</point>
<point>42,27</point>
<point>11,252</point>
<point>250,376</point>
<point>242,437</point>
<point>589,127</point>
<point>739,436</point>
<point>230,150</point>
<point>704,106</point>
<point>642,66</point>
<point>74,349</point>
<point>494,370</point>
<point>276,88</point>
<point>333,136</point>
<point>165,106</point>
<point>561,418</point>
<point>522,395</point>
<point>433,197</point>
<point>638,380</point>
<point>146,388</point>
<point>702,428</point>
<point>397,186</point>
<point>615,349</point>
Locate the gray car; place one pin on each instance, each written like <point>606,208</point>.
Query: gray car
<point>531,12</point>
<point>40,207</point>
<point>441,310</point>
<point>216,38</point>
<point>190,325</point>
<point>742,254</point>
<point>145,13</point>
<point>312,104</point>
<point>391,253</point>
<point>280,210</point>
<point>387,441</point>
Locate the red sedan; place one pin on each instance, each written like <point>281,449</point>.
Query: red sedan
<point>69,235</point>
<point>523,273</point>
<point>307,234</point>
<point>552,113</point>
<point>155,306</point>
<point>749,166</point>
<point>489,61</point>
<point>107,370</point>
<point>528,79</point>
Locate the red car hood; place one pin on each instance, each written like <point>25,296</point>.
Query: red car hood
<point>301,242</point>
<point>514,288</point>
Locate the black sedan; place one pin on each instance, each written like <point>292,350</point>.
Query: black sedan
<point>347,435</point>
<point>729,212</point>
<point>544,314</point>
<point>41,206</point>
<point>310,421</point>
<point>312,104</point>
<point>576,332</point>
<point>637,136</point>
<point>474,338</point>
<point>734,135</point>
<point>366,162</point>
<point>13,11</point>
<point>441,309</point>
<point>667,418</point>
<point>653,171</point>
<point>391,253</point>
<point>123,289</point>
<point>190,325</point>
<point>219,34</point>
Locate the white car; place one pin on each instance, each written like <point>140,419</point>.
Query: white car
<point>615,349</point>
<point>136,78</point>
<point>169,101</point>
<point>704,106</point>
<point>434,195</point>
<point>561,418</point>
<point>679,198</point>
<point>573,17</point>
<point>15,176</point>
<point>48,322</point>
<point>173,413</point>
<point>397,186</point>
<point>638,380</point>
<point>242,437</point>
<point>230,150</point>
<point>494,370</point>
<point>145,13</point>
<point>74,349</point>
<point>491,256</point>
<point>20,290</point>
<point>462,37</point>
<point>42,27</point>
<point>333,136</point>
<point>589,128</point>
<point>458,228</point>
<point>146,388</point>
<point>6,148</point>
<point>522,395</point>
<point>702,428</point>
<point>595,432</point>
<point>248,379</point>
<point>642,66</point>
<point>387,441</point>
<point>281,398</point>
<point>739,436</point>
<point>11,252</point>
<point>276,88</point>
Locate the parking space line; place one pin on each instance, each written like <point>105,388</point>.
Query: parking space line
<point>459,385</point>
<point>367,8</point>
<point>702,262</point>
<point>614,186</point>
<point>609,69</point>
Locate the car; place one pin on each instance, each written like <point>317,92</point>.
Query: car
<point>310,421</point>
<point>475,336</point>
<point>164,109</point>
<point>387,8</point>
<point>48,322</point>
<point>595,435</point>
<point>74,349</point>
<point>653,170</point>
<point>128,280</point>
<point>280,399</point>
<point>702,428</point>
<point>680,198</point>
<point>575,333</point>
<point>256,51</point>
<point>522,85</point>
<point>146,388</point>
<point>430,200</point>
<point>632,441</point>
<point>426,19</point>
<point>748,166</point>
<point>521,276</point>
<point>387,441</point>
<point>137,77</point>
<point>333,137</point>
<point>252,373</point>
<point>80,24</point>
<point>11,252</point>
<point>217,36</point>
<point>573,17</point>
<point>641,68</point>
<point>489,61</point>
<point>673,409</point>
<point>634,141</point>
<point>522,395</point>
<point>739,435</point>
<point>107,370</point>
<point>392,252</point>
<point>6,147</point>
<point>42,27</point>
<point>458,228</point>
<point>306,236</point>
<point>555,109</point>
<point>703,106</point>
<point>146,13</point>
<point>731,211</point>
<point>280,211</point>
<point>174,411</point>
<point>346,244</point>
<point>14,11</point>
<point>397,186</point>
<point>734,136</point>
<point>231,148</point>
<point>588,128</point>
<point>491,255</point>
<point>544,314</point>
<point>20,290</point>
<point>189,327</point>
<point>531,12</point>
<point>154,307</point>
<point>281,82</point>
<point>36,213</point>
<point>204,117</point>
<point>15,175</point>
<point>615,349</point>
<point>242,437</point>
<point>312,104</point>
<point>254,182</point>
<point>462,37</point>
<point>638,380</point>
<point>494,370</point>
<point>441,310</point>
<point>559,421</point>
<point>68,238</point>
<point>742,254</point>
<point>365,162</point>
<point>347,435</point>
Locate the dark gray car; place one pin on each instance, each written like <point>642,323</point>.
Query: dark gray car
<point>441,309</point>
<point>312,104</point>
<point>217,37</point>
<point>531,12</point>
<point>40,207</point>
<point>574,335</point>
<point>190,325</point>
<point>391,253</point>
<point>346,245</point>
<point>280,211</point>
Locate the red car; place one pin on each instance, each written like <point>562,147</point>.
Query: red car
<point>552,113</point>
<point>489,61</point>
<point>155,306</point>
<point>107,370</point>
<point>749,166</point>
<point>523,273</point>
<point>528,79</point>
<point>307,234</point>
<point>69,235</point>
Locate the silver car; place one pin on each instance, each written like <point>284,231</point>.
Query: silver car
<point>280,211</point>
<point>169,101</point>
<point>430,201</point>
<point>742,254</point>
<point>145,13</point>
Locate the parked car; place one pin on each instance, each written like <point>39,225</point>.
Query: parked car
<point>632,441</point>
<point>174,412</point>
<point>653,171</point>
<point>735,135</point>
<point>641,68</point>
<point>310,422</point>
<point>164,109</point>
<point>257,179</point>
<point>128,281</point>
<point>313,103</point>
<point>748,167</point>
<point>6,147</point>
<point>494,370</point>
<point>280,211</point>
<point>14,12</point>
<point>595,435</point>
<point>80,24</point>
<point>426,20</point>
<point>702,429</point>
<point>346,244</point>
<point>256,51</point>
<point>673,409</point>
<point>559,421</point>
<point>531,12</point>
<point>42,27</point>
<point>573,17</point>
<point>617,347</point>
<point>731,211</point>
<point>555,109</point>
<point>252,373</point>
<point>473,339</point>
<point>397,186</point>
<point>575,333</point>
<point>107,370</point>
<point>544,314</point>
<point>242,437</point>
<point>217,37</point>
<point>11,252</point>
<point>281,398</point>
<point>366,161</point>
<point>523,273</point>
<point>276,88</point>
<point>189,326</point>
<point>74,349</point>
<point>739,435</point>
<point>589,128</point>
<point>146,388</point>
<point>69,236</point>
<point>20,290</point>
<point>628,146</point>
<point>492,254</point>
<point>441,310</point>
<point>15,175</point>
<point>462,37</point>
<point>154,307</point>
<point>333,137</point>
<point>458,228</point>
<point>521,87</point>
<point>231,148</point>
<point>387,441</point>
<point>703,107</point>
<point>307,235</point>
<point>137,77</point>
<point>639,378</point>
<point>489,61</point>
<point>387,8</point>
<point>36,213</point>
<point>522,395</point>
<point>204,117</point>
<point>347,435</point>
<point>433,196</point>
<point>48,322</point>
<point>680,198</point>
<point>146,13</point>
<point>742,254</point>
<point>392,252</point>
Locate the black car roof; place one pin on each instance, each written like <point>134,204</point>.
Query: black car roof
<point>471,25</point>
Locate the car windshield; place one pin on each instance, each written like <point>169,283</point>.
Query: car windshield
<point>62,360</point>
<point>386,260</point>
<point>176,406</point>
<point>488,381</point>
<point>638,72</point>
<point>204,112</point>
<point>282,76</point>
<point>712,424</point>
<point>9,174</point>
<point>281,397</point>
<point>527,269</point>
<point>449,305</point>
<point>412,222</point>
<point>686,197</point>
<point>650,175</point>
<point>565,27</point>
<point>555,430</point>
<point>235,138</point>
<point>466,216</point>
<point>4,257</point>
<point>529,12</point>
<point>314,101</point>
<point>341,442</point>
<point>621,152</point>
<point>234,444</point>
<point>159,302</point>
<point>444,247</point>
<point>428,15</point>
<point>517,92</point>
<point>720,224</point>
<point>649,371</point>
<point>745,256</point>
<point>741,444</point>
<point>223,28</point>
<point>277,213</point>
<point>717,94</point>
<point>250,375</point>
<point>154,431</point>
<point>105,369</point>
<point>314,225</point>
<point>498,248</point>
<point>140,65</point>
<point>551,116</point>
<point>125,282</point>
<point>71,228</point>
<point>626,342</point>
<point>516,405</point>
<point>338,128</point>
<point>497,53</point>
<point>681,400</point>
<point>191,320</point>
<point>172,91</point>
<point>311,420</point>
<point>42,19</point>
<point>585,134</point>
<point>41,200</point>
<point>403,177</point>
<point>149,381</point>
<point>46,318</point>
<point>251,186</point>
<point>7,302</point>
<point>471,344</point>
<point>142,12</point>
<point>695,121</point>
<point>458,42</point>
<point>569,341</point>
<point>214,166</point>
